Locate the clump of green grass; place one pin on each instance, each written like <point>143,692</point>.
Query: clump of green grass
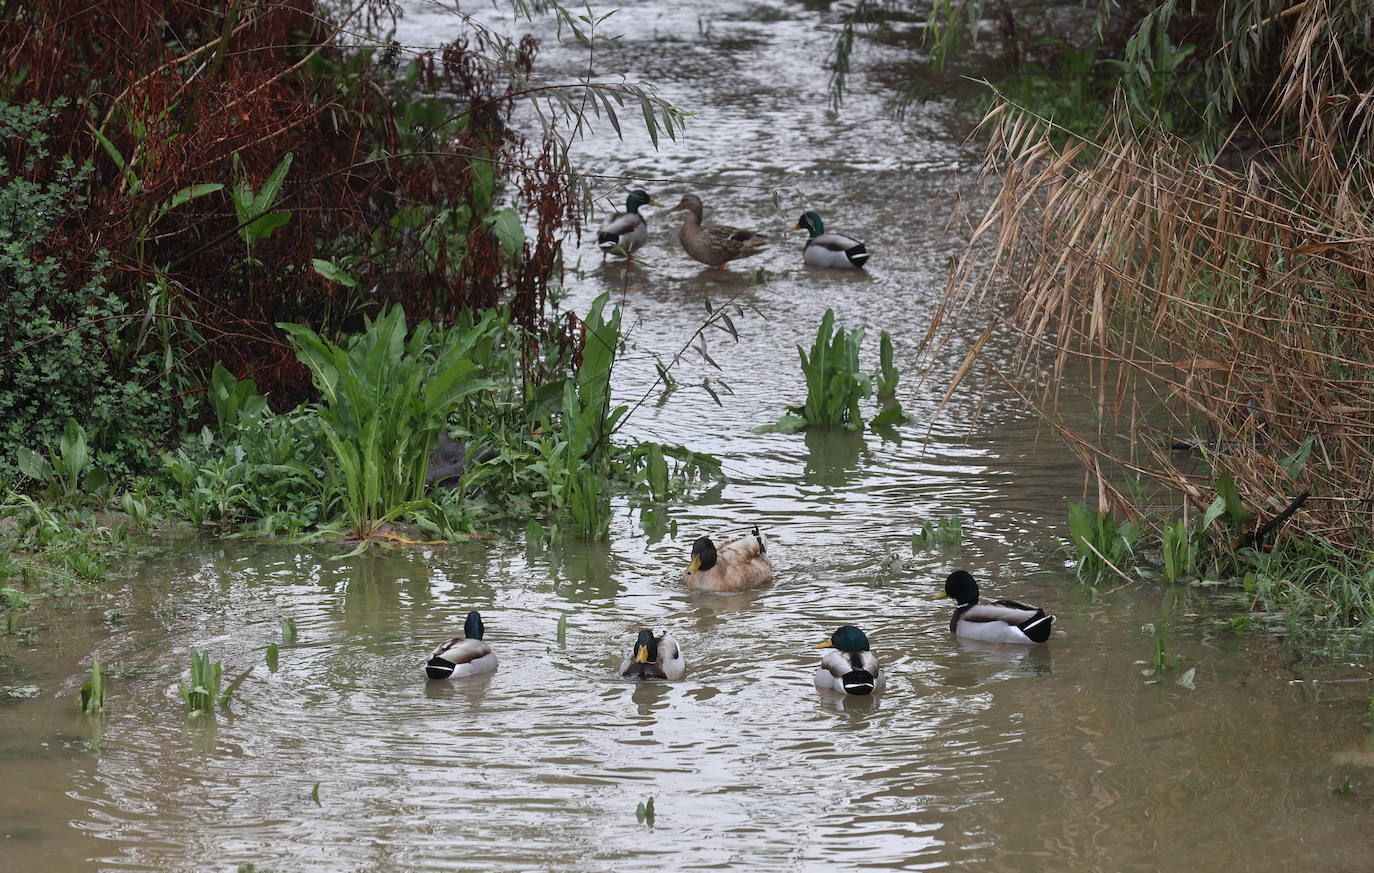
<point>288,630</point>
<point>203,691</point>
<point>1160,660</point>
<point>1178,551</point>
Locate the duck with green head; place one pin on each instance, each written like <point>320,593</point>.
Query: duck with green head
<point>1001,621</point>
<point>654,656</point>
<point>836,250</point>
<point>734,566</point>
<point>626,231</point>
<point>462,656</point>
<point>849,667</point>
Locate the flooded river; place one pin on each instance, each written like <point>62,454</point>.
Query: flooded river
<point>1069,756</point>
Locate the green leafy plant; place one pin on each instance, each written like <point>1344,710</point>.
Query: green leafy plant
<point>66,354</point>
<point>386,400</point>
<point>234,399</point>
<point>288,630</point>
<point>947,535</point>
<point>1100,544</point>
<point>1160,660</point>
<point>1178,552</point>
<point>885,380</point>
<point>256,222</point>
<point>202,692</point>
<point>65,465</point>
<point>834,382</point>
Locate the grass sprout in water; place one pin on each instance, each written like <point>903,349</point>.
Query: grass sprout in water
<point>644,812</point>
<point>93,691</point>
<point>202,692</point>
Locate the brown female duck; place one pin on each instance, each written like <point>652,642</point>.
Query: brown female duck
<point>714,244</point>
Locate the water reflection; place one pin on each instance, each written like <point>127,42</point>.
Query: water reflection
<point>833,456</point>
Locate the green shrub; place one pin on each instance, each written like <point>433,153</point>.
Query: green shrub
<point>68,353</point>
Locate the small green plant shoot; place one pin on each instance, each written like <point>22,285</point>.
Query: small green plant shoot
<point>644,812</point>
<point>93,691</point>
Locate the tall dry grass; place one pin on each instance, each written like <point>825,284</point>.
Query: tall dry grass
<point>1221,308</point>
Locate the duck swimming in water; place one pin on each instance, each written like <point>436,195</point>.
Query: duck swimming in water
<point>835,250</point>
<point>849,667</point>
<point>626,231</point>
<point>654,657</point>
<point>736,565</point>
<point>714,244</point>
<point>462,656</point>
<point>1001,621</point>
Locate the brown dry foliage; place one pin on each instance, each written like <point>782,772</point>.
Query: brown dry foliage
<point>1229,308</point>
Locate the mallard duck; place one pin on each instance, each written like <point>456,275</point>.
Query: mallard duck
<point>714,244</point>
<point>462,656</point>
<point>626,231</point>
<point>735,566</point>
<point>849,668</point>
<point>832,249</point>
<point>654,657</point>
<point>1002,621</point>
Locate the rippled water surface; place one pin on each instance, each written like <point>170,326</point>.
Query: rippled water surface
<point>1065,756</point>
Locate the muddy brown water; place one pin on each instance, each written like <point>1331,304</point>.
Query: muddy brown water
<point>1066,756</point>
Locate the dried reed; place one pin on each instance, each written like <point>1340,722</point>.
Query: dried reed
<point>1223,311</point>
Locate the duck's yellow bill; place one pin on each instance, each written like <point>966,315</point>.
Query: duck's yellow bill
<point>942,595</point>
<point>825,645</point>
<point>654,203</point>
<point>795,227</point>
<point>641,654</point>
<point>695,565</point>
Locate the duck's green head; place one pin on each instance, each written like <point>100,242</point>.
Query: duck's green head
<point>472,628</point>
<point>961,587</point>
<point>646,648</point>
<point>703,555</point>
<point>639,197</point>
<point>812,222</point>
<point>847,639</point>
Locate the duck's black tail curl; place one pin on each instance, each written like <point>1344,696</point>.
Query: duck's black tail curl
<point>857,682</point>
<point>1037,629</point>
<point>438,668</point>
